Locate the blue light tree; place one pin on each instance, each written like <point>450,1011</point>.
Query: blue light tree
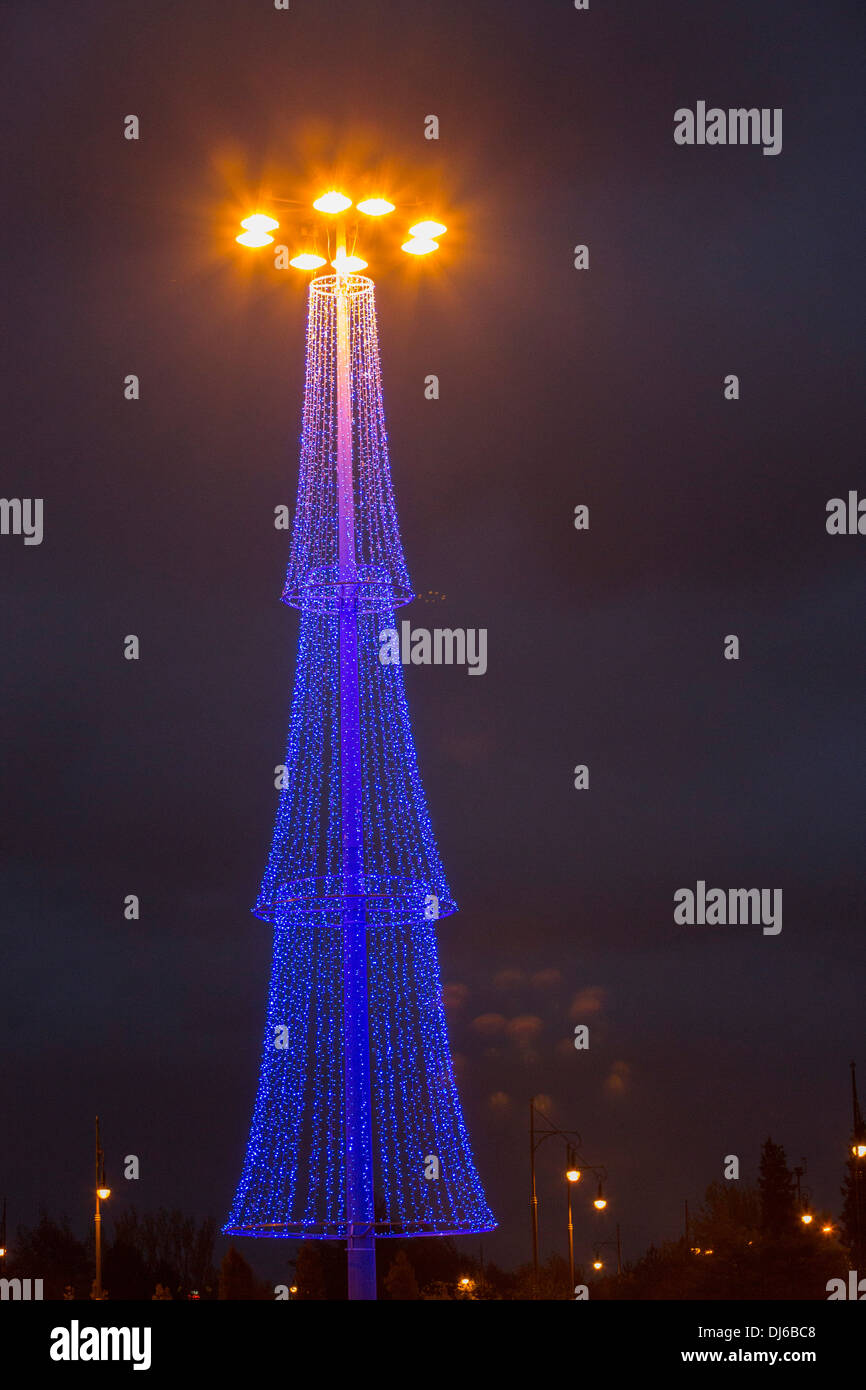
<point>357,1132</point>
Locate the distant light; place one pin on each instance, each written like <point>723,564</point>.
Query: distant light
<point>597,1264</point>
<point>600,1203</point>
<point>259,222</point>
<point>345,265</point>
<point>2,1251</point>
<point>254,239</point>
<point>332,202</point>
<point>859,1150</point>
<point>826,1230</point>
<point>375,207</point>
<point>307,261</point>
<point>427,229</point>
<point>103,1193</point>
<point>420,246</point>
<point>806,1218</point>
<point>573,1175</point>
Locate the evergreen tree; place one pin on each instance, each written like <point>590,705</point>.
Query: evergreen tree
<point>777,1192</point>
<point>237,1281</point>
<point>49,1251</point>
<point>400,1281</point>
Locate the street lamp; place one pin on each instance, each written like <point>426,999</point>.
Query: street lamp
<point>600,1201</point>
<point>258,226</point>
<point>102,1194</point>
<point>598,1262</point>
<point>535,1141</point>
<point>572,1176</point>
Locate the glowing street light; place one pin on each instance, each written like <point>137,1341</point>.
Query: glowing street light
<point>260,222</point>
<point>259,225</point>
<point>419,246</point>
<point>348,265</point>
<point>598,1264</point>
<point>332,202</point>
<point>573,1175</point>
<point>427,229</point>
<point>600,1201</point>
<point>807,1218</point>
<point>254,239</point>
<point>102,1193</point>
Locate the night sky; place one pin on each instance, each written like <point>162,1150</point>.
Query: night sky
<point>605,647</point>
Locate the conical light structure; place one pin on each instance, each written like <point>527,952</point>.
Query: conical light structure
<point>357,1116</point>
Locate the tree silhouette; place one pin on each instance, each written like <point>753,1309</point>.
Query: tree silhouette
<point>49,1251</point>
<point>236,1279</point>
<point>400,1281</point>
<point>776,1188</point>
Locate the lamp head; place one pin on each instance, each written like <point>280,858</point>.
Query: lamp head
<point>332,202</point>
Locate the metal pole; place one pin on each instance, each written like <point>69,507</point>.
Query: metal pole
<point>857,1166</point>
<point>360,1214</point>
<point>97,1220</point>
<point>570,1240</point>
<point>533,1201</point>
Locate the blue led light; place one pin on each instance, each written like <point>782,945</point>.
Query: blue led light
<point>292,1184</point>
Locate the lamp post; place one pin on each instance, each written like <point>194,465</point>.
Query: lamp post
<point>540,1129</point>
<point>360,1217</point>
<point>102,1193</point>
<point>858,1167</point>
<point>572,1176</point>
<point>537,1137</point>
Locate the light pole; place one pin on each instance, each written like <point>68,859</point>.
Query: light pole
<point>540,1129</point>
<point>537,1136</point>
<point>858,1153</point>
<point>360,1217</point>
<point>102,1193</point>
<point>572,1176</point>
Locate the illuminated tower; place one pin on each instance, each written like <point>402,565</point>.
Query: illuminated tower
<point>357,1132</point>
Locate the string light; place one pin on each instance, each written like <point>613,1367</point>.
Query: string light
<point>292,1184</point>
